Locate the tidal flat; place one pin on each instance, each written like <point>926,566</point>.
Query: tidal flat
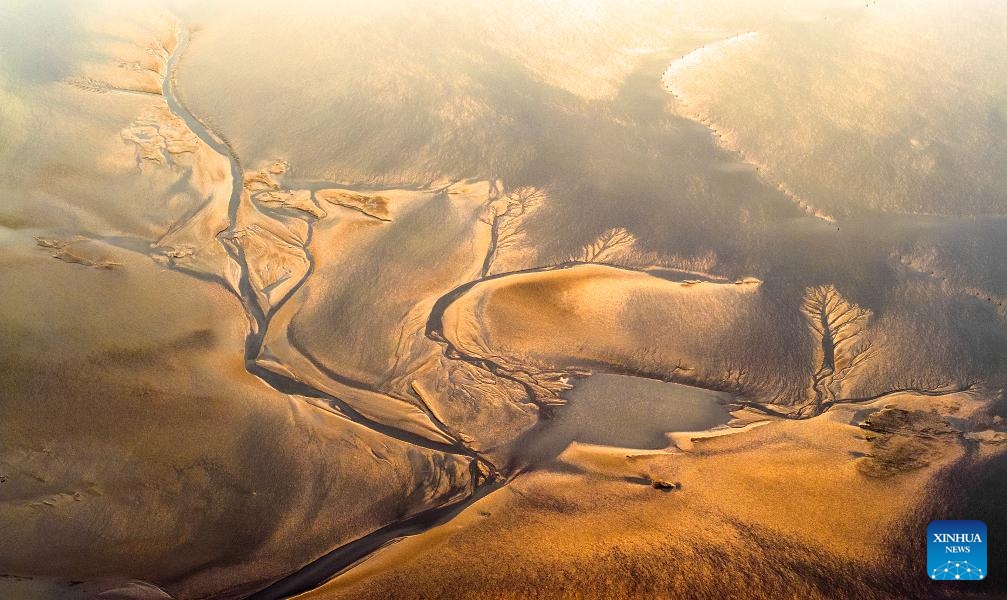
<point>499,300</point>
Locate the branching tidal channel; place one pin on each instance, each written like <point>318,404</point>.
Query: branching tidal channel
<point>484,475</point>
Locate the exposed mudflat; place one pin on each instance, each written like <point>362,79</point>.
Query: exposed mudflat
<point>491,301</point>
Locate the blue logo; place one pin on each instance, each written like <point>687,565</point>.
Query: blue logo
<point>956,550</point>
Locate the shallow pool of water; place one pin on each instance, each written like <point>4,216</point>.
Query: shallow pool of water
<point>626,412</point>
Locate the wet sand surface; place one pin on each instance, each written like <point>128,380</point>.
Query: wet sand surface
<point>389,300</point>
<point>633,412</point>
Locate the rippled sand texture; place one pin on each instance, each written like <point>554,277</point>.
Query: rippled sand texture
<point>498,300</point>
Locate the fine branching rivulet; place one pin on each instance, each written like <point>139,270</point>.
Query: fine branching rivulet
<point>838,326</point>
<point>507,217</point>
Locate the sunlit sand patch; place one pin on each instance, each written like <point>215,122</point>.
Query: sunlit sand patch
<point>79,251</point>
<point>373,206</point>
<point>797,485</point>
<point>686,440</point>
<point>608,460</point>
<point>160,136</point>
<point>296,199</point>
<point>535,323</point>
<point>267,191</point>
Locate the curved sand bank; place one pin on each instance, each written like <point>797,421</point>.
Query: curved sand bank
<point>583,316</point>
